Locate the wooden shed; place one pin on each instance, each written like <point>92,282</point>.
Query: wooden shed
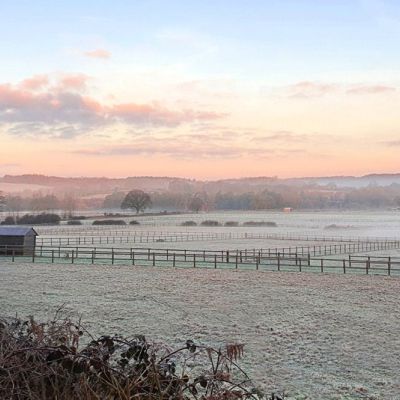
<point>18,240</point>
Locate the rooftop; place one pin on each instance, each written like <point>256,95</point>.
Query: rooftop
<point>16,230</point>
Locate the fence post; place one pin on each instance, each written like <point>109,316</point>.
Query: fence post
<point>173,260</point>
<point>389,265</point>
<point>52,256</point>
<point>92,256</point>
<point>308,259</point>
<point>344,265</point>
<point>236,265</point>
<point>367,265</point>
<point>72,256</point>
<point>279,261</point>
<point>194,260</point>
<point>299,264</point>
<point>215,261</point>
<point>322,265</point>
<point>133,257</point>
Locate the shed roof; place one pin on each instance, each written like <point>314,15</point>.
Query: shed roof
<point>16,231</point>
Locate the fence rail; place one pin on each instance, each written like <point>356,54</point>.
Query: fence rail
<point>127,231</point>
<point>314,250</point>
<point>205,259</point>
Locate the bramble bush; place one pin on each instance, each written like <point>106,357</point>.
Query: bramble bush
<point>60,360</point>
<point>33,219</point>
<point>209,222</point>
<point>260,223</point>
<point>189,223</point>
<point>109,222</point>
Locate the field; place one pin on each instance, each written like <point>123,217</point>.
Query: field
<point>348,223</point>
<point>320,335</point>
<point>314,335</point>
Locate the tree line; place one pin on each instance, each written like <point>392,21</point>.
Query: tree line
<point>299,198</point>
<point>275,197</point>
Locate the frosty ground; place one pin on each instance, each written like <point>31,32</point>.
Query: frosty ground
<point>325,336</point>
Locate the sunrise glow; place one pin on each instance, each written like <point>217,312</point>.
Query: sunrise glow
<point>205,89</point>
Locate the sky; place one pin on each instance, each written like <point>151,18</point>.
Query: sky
<point>201,89</point>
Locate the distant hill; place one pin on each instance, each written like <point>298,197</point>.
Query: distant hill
<point>350,181</point>
<point>99,185</point>
<point>86,185</point>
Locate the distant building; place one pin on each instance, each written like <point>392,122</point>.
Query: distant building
<point>287,209</point>
<point>18,240</point>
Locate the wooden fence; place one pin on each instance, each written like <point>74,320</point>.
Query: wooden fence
<point>105,237</point>
<point>314,250</point>
<point>250,260</point>
<point>74,233</point>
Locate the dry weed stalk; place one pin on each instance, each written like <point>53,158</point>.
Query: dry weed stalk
<point>40,361</point>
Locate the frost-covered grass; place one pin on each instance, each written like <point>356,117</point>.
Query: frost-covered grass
<point>349,223</point>
<point>325,336</point>
<point>321,335</point>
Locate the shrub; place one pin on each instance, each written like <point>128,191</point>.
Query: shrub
<point>8,221</point>
<point>113,214</point>
<point>76,217</point>
<point>332,226</point>
<point>210,222</point>
<point>335,226</point>
<point>109,222</point>
<point>189,223</point>
<point>44,218</point>
<point>231,223</point>
<point>260,223</point>
<point>74,222</point>
<point>47,361</point>
<point>134,222</point>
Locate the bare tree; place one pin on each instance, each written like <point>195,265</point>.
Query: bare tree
<point>2,202</point>
<point>48,202</point>
<point>196,203</point>
<point>136,200</point>
<point>69,205</point>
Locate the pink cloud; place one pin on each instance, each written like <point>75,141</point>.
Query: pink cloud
<point>391,143</point>
<point>98,53</point>
<point>374,89</point>
<point>11,97</point>
<point>157,114</point>
<point>308,89</point>
<point>62,107</point>
<point>282,136</point>
<point>35,82</point>
<point>74,81</point>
